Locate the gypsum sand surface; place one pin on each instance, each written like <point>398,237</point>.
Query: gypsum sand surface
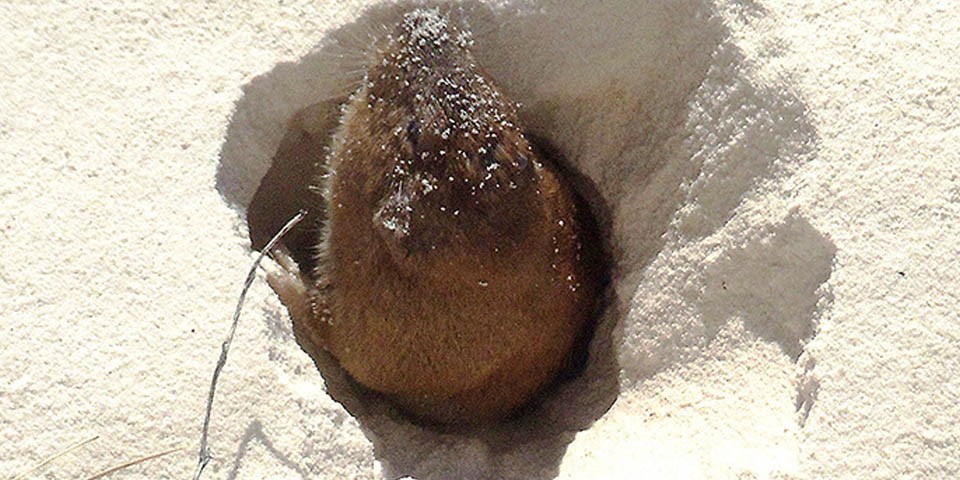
<point>775,171</point>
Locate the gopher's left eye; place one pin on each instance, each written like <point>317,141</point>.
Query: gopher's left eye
<point>413,131</point>
<point>489,156</point>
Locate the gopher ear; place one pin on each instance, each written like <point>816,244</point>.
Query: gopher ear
<point>392,221</point>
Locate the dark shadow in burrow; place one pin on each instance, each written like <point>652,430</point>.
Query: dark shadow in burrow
<point>614,88</point>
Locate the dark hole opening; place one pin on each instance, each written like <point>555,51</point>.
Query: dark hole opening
<point>290,185</point>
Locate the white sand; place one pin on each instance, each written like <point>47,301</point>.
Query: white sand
<point>774,169</point>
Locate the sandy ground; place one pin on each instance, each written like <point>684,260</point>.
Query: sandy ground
<point>784,186</point>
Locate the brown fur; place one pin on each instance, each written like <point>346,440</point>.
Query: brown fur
<point>456,273</point>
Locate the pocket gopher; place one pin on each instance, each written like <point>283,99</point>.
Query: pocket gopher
<point>457,269</point>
